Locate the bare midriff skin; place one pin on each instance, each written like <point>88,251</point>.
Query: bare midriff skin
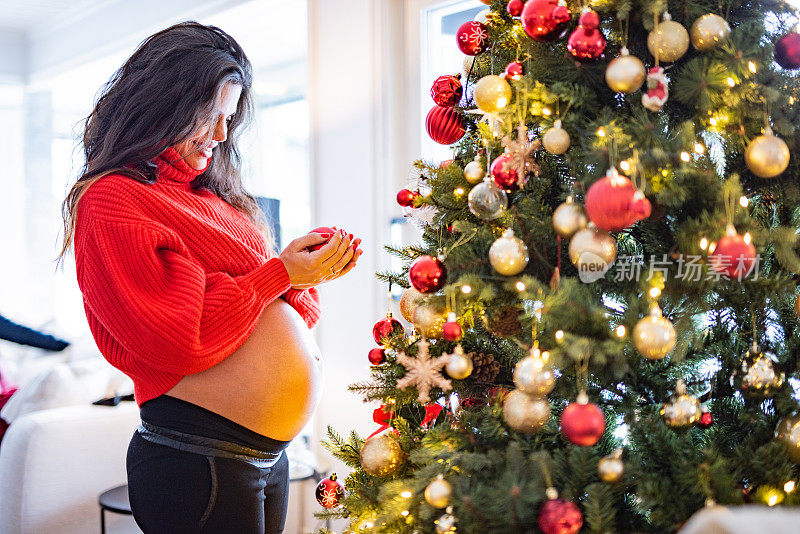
<point>271,384</point>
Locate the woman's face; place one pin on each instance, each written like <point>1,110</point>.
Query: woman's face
<point>196,150</point>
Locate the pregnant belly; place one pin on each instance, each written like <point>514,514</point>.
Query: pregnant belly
<point>271,384</point>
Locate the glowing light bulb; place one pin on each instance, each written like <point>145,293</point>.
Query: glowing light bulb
<point>559,335</point>
<point>621,330</point>
<point>743,201</point>
<point>699,148</point>
<point>625,165</point>
<point>712,121</point>
<point>747,237</point>
<point>601,132</point>
<point>459,191</point>
<point>520,286</point>
<point>751,66</point>
<point>406,494</point>
<point>655,292</point>
<point>545,356</point>
<point>731,82</point>
<point>466,289</point>
<point>704,243</point>
<point>685,157</point>
<point>405,513</point>
<point>789,486</point>
<point>546,111</point>
<point>772,500</point>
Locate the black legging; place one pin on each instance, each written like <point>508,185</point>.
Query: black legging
<point>225,480</point>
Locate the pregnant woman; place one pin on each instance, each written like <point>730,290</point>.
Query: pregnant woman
<point>184,294</point>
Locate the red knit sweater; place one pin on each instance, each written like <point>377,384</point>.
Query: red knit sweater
<point>173,278</point>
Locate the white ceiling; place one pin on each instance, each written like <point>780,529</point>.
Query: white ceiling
<point>30,15</point>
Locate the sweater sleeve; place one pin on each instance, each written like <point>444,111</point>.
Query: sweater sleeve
<point>306,302</point>
<point>144,287</point>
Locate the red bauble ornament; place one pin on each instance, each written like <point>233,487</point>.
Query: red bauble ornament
<point>515,7</point>
<point>329,492</point>
<point>545,20</point>
<point>705,421</point>
<point>613,203</point>
<point>787,51</point>
<point>451,331</point>
<point>385,328</point>
<point>444,125</point>
<point>472,38</point>
<point>733,255</point>
<point>377,356</point>
<point>427,274</point>
<point>405,197</point>
<point>582,422</point>
<point>559,516</point>
<point>504,172</point>
<point>513,71</point>
<point>325,231</point>
<point>446,91</point>
<point>587,42</point>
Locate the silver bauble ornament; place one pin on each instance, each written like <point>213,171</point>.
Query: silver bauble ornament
<point>569,217</point>
<point>767,155</point>
<point>625,74</point>
<point>682,410</point>
<point>668,41</point>
<point>409,300</point>
<point>508,254</point>
<point>381,455</point>
<point>709,31</point>
<point>487,201</point>
<point>592,251</point>
<point>654,335</point>
<point>459,366</point>
<point>474,172</point>
<point>556,139</point>
<point>611,468</point>
<point>525,413</point>
<point>532,376</point>
<point>438,492</point>
<point>788,433</point>
<point>759,377</point>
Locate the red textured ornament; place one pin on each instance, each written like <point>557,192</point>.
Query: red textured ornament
<point>559,516</point>
<point>405,197</point>
<point>377,356</point>
<point>444,125</point>
<point>504,172</point>
<point>787,51</point>
<point>427,274</point>
<point>472,38</point>
<point>513,71</point>
<point>586,42</point>
<point>326,232</point>
<point>733,255</point>
<point>451,331</point>
<point>329,492</point>
<point>385,328</point>
<point>705,421</point>
<point>545,20</point>
<point>613,203</point>
<point>446,91</point>
<point>583,423</point>
<point>515,7</point>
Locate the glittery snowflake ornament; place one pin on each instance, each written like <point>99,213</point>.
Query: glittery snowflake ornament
<point>521,150</point>
<point>423,372</point>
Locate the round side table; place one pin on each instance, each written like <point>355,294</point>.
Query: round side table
<point>116,501</point>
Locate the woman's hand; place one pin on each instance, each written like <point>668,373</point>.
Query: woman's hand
<point>307,269</point>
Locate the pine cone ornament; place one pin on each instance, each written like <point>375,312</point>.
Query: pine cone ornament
<point>484,367</point>
<point>505,323</point>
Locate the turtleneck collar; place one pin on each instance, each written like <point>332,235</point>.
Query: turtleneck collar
<point>173,168</point>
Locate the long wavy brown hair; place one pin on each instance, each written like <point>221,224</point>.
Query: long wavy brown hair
<point>158,98</point>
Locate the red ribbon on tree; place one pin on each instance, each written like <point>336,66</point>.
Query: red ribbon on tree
<point>383,416</point>
<point>432,411</point>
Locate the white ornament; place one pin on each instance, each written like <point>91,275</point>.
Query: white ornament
<point>508,254</point>
<point>423,372</point>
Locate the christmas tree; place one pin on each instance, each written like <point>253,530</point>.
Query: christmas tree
<point>602,316</point>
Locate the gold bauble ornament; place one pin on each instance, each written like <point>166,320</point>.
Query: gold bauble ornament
<point>668,41</point>
<point>682,410</point>
<point>759,377</point>
<point>447,523</point>
<point>487,201</point>
<point>569,217</point>
<point>611,468</point>
<point>438,492</point>
<point>708,31</point>
<point>556,139</point>
<point>654,336</point>
<point>625,74</point>
<point>492,93</point>
<point>788,433</point>
<point>381,455</point>
<point>459,366</point>
<point>508,254</point>
<point>592,251</point>
<point>429,319</point>
<point>532,376</point>
<point>474,172</point>
<point>409,300</point>
<point>525,413</point>
<point>767,155</point>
